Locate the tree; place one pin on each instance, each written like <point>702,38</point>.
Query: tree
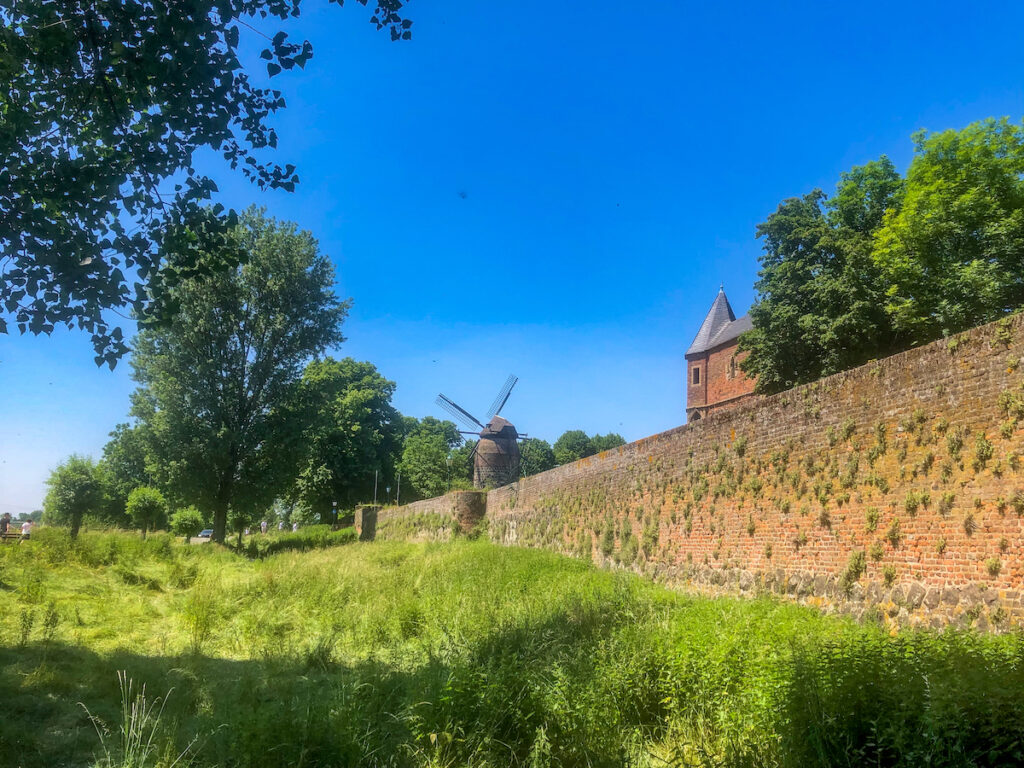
<point>572,446</point>
<point>124,464</point>
<point>820,297</point>
<point>187,522</point>
<point>426,457</point>
<point>105,102</point>
<point>352,431</point>
<point>535,456</point>
<point>953,254</point>
<point>147,508</point>
<point>75,489</point>
<point>462,464</point>
<point>218,383</point>
<point>607,442</point>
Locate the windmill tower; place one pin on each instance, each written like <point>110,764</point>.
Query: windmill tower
<point>496,455</point>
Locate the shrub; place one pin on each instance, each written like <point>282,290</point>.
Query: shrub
<point>993,565</point>
<point>889,575</point>
<point>893,534</point>
<point>855,568</point>
<point>946,502</point>
<point>871,516</point>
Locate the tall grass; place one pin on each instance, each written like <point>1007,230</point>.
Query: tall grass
<point>467,654</point>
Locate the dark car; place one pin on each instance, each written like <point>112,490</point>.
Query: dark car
<point>205,534</point>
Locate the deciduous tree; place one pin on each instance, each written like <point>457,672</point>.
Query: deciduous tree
<point>74,489</point>
<point>573,445</point>
<point>124,464</point>
<point>187,522</point>
<point>351,431</point>
<point>104,107</point>
<point>535,456</point>
<point>147,509</point>
<point>953,254</point>
<point>820,302</point>
<point>426,457</point>
<point>217,384</point>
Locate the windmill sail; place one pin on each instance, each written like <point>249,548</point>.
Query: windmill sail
<point>502,398</point>
<point>458,413</point>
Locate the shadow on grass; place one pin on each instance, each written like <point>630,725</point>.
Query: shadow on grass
<point>576,689</point>
<point>487,702</point>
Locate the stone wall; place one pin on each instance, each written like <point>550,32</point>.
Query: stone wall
<point>894,490</point>
<point>437,519</point>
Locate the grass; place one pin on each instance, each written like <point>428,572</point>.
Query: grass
<point>462,654</point>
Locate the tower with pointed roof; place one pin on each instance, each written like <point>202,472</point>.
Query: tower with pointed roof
<point>714,379</point>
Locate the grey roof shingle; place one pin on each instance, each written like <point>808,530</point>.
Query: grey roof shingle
<point>719,326</point>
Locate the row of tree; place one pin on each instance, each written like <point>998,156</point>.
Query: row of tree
<point>237,410</point>
<point>890,262</point>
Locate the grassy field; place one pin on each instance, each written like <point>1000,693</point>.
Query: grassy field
<point>461,654</point>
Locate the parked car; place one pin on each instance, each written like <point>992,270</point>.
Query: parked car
<point>205,534</point>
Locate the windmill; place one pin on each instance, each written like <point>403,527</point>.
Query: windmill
<point>496,455</point>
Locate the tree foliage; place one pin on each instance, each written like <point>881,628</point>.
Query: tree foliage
<point>76,488</point>
<point>820,303</point>
<point>889,263</point>
<point>573,445</point>
<point>536,456</point>
<point>953,254</point>
<point>187,522</point>
<point>426,464</point>
<point>104,107</point>
<point>607,442</point>
<point>351,431</point>
<point>124,465</point>
<point>218,383</point>
<point>147,509</point>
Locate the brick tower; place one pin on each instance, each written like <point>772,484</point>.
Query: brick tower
<point>713,376</point>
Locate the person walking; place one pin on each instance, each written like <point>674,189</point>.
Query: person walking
<point>5,522</point>
<point>26,530</point>
<point>263,527</point>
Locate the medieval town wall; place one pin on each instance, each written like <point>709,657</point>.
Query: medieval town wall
<point>894,490</point>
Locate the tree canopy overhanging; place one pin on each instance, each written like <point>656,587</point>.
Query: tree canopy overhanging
<point>104,107</point>
<point>888,262</point>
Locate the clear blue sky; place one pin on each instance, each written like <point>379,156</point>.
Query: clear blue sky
<point>558,193</point>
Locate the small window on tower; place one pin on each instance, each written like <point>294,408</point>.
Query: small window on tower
<point>696,375</point>
<point>732,367</point>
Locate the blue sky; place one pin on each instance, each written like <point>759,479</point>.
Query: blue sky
<point>527,188</point>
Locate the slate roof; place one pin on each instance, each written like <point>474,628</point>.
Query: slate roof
<point>719,326</point>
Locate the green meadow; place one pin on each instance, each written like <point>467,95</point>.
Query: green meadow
<point>316,652</point>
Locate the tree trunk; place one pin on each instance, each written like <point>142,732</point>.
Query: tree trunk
<point>76,523</point>
<point>220,512</point>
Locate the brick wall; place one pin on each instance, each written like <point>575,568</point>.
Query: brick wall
<point>725,379</point>
<point>895,490</point>
<point>722,381</point>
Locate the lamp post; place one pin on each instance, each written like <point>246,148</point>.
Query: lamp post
<point>387,494</point>
<point>448,463</point>
<point>334,512</point>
